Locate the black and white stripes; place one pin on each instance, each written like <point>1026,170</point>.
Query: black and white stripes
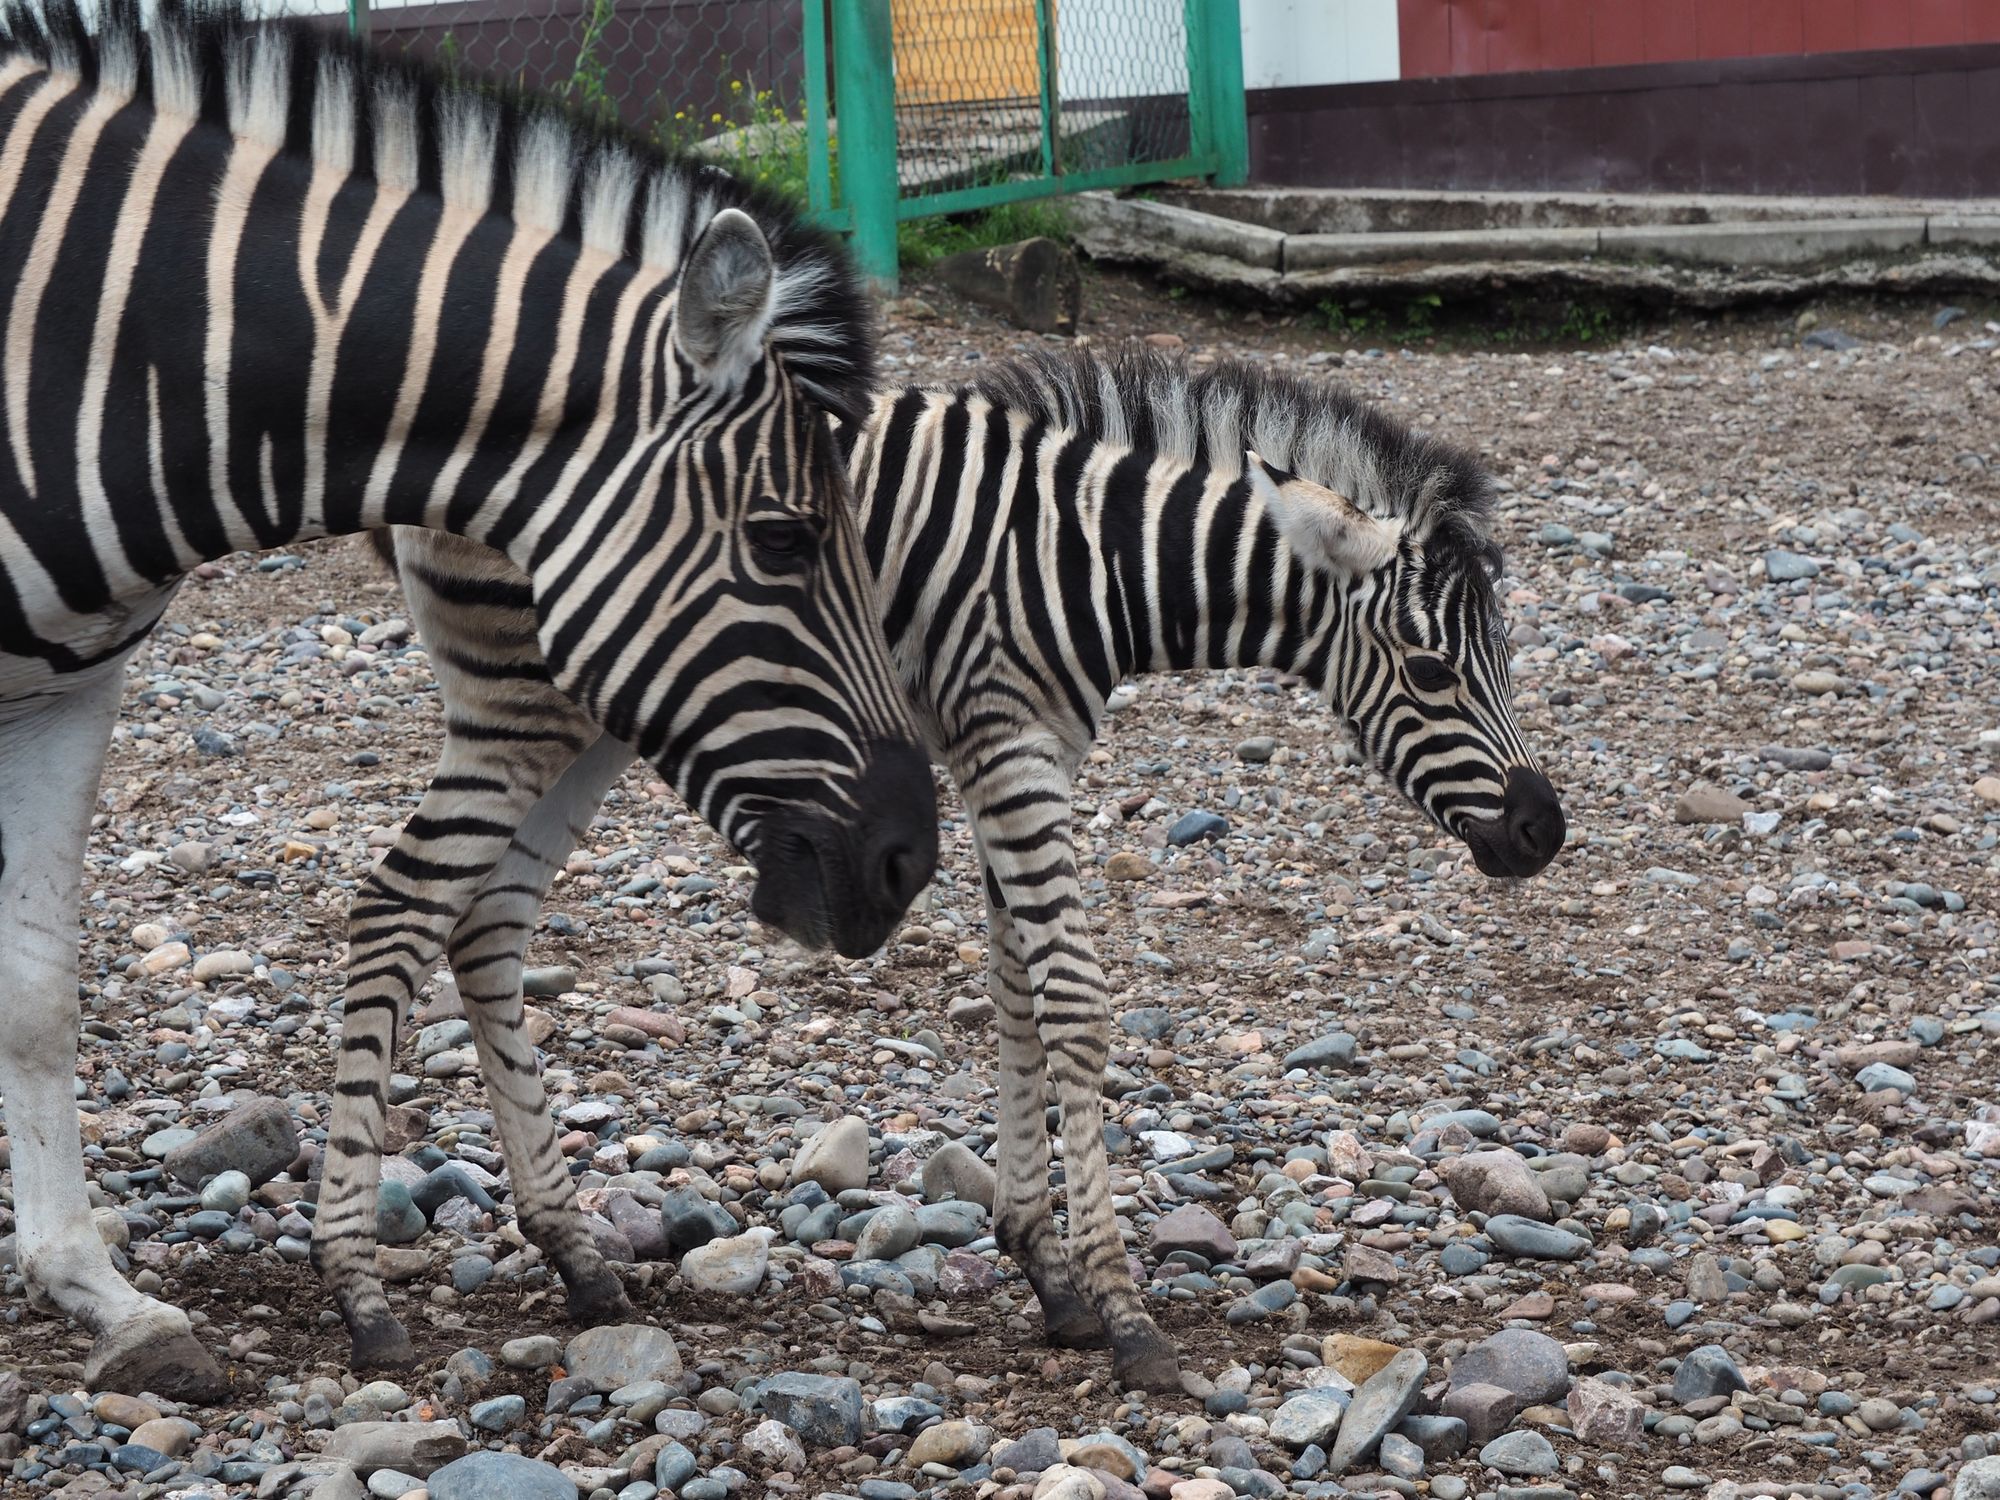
<point>1037,537</point>
<point>257,286</point>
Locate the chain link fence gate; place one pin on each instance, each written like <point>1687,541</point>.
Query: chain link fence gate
<point>868,112</point>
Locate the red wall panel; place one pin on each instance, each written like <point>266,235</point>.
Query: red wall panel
<point>1461,37</point>
<point>1830,26</point>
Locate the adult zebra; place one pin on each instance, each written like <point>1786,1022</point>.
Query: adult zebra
<point>1037,537</point>
<point>257,287</point>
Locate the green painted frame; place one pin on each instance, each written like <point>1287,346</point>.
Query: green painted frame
<point>866,201</point>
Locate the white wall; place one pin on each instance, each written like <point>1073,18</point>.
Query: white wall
<point>1293,43</point>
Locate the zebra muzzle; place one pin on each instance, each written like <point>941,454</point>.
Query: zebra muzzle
<point>1528,833</point>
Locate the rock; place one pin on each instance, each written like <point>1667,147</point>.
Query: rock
<point>1376,1409</point>
<point>1193,1228</point>
<point>1485,1410</point>
<point>1520,1455</point>
<point>836,1158</point>
<point>1035,284</point>
<point>1705,1281</point>
<point>824,1410</point>
<point>1815,683</point>
<point>500,1476</point>
<point>535,1352</point>
<point>1605,1415</point>
<point>1703,803</point>
<point>1781,566</point>
<point>1365,1263</point>
<point>775,1446</point>
<point>954,1173</point>
<point>1334,1049</point>
<point>1066,1483</point>
<point>622,1354</point>
<point>500,1414</point>
<point>1126,866</point>
<point>733,1267</point>
<point>412,1447</point>
<point>1440,1439</point>
<point>169,1435</point>
<point>890,1230</point>
<point>1707,1371</point>
<point>223,964</point>
<point>124,1411</point>
<point>256,1138</point>
<point>1978,1480</point>
<point>1528,1240</point>
<point>1107,1454</point>
<point>1192,827</point>
<point>13,1401</point>
<point>1496,1182</point>
<point>1987,789</point>
<point>1030,1453</point>
<point>1355,1359</point>
<point>955,1444</point>
<point>1880,1075</point>
<point>1792,759</point>
<point>1528,1365</point>
<point>1310,1418</point>
<point>689,1220</point>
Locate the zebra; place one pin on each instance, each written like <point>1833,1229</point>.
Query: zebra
<point>1038,536</point>
<point>257,286</point>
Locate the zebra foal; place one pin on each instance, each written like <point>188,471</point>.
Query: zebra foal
<point>257,287</point>
<point>1037,536</point>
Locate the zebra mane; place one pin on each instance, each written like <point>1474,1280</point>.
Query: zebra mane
<point>1141,398</point>
<point>311,91</point>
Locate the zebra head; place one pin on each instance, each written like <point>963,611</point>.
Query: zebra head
<point>1419,668</point>
<point>728,629</point>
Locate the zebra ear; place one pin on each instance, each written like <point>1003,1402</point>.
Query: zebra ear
<point>725,303</point>
<point>1326,531</point>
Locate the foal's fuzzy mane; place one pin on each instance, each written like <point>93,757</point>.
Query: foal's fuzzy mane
<point>1315,429</point>
<point>309,90</point>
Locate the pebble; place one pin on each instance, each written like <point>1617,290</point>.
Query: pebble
<point>621,1354</point>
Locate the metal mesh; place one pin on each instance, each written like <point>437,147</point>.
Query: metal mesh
<point>723,78</point>
<point>974,78</point>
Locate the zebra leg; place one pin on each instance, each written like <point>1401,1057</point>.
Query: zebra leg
<point>486,951</point>
<point>51,755</point>
<point>1019,800</point>
<point>402,914</point>
<point>1022,1221</point>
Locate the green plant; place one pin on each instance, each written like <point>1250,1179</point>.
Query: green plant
<point>589,86</point>
<point>1420,313</point>
<point>1350,318</point>
<point>1586,322</point>
<point>923,242</point>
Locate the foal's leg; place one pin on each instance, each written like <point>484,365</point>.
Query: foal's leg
<point>486,952</point>
<point>1018,797</point>
<point>1021,1216</point>
<point>51,755</point>
<point>507,739</point>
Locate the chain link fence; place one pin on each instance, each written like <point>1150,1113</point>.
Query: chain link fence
<point>866,111</point>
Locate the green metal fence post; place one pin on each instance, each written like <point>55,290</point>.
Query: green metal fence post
<point>864,89</point>
<point>819,158</point>
<point>1215,88</point>
<point>357,17</point>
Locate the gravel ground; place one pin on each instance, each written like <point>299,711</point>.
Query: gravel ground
<point>1743,1040</point>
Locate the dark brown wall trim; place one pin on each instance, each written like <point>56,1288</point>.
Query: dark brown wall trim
<point>1917,122</point>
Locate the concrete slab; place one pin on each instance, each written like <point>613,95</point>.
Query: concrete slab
<point>1779,244</point>
<point>1308,252</point>
<point>1964,229</point>
<point>1136,229</point>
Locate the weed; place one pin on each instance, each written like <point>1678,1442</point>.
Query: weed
<point>923,242</point>
<point>589,86</point>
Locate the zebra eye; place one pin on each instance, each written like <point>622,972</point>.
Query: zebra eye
<point>782,546</point>
<point>1430,674</point>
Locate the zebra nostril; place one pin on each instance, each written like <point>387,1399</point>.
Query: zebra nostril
<point>904,873</point>
<point>1534,817</point>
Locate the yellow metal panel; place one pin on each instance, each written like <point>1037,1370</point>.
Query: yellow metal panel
<point>955,51</point>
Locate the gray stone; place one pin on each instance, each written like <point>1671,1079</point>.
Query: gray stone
<point>1529,1365</point>
<point>1192,827</point>
<point>1309,1418</point>
<point>1333,1050</point>
<point>890,1230</point>
<point>1495,1182</point>
<point>500,1476</point>
<point>1401,1457</point>
<point>1483,1410</point>
<point>256,1138</point>
<point>1030,1453</point>
<point>1192,1227</point>
<point>621,1354</point>
<point>1978,1480</point>
<point>1441,1438</point>
<point>1880,1075</point>
<point>1707,1371</point>
<point>1383,1400</point>
<point>500,1414</point>
<point>537,1351</point>
<point>1527,1240</point>
<point>413,1447</point>
<point>825,1410</point>
<point>836,1158</point>
<point>1781,566</point>
<point>1520,1455</point>
<point>955,1223</point>
<point>689,1220</point>
<point>775,1446</point>
<point>733,1267</point>
<point>954,1172</point>
<point>1603,1414</point>
<point>957,1444</point>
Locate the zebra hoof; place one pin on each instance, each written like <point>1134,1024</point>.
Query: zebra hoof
<point>599,1300</point>
<point>157,1354</point>
<point>1147,1367</point>
<point>383,1344</point>
<point>1074,1328</point>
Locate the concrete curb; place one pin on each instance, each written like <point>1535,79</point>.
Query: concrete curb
<point>1709,264</point>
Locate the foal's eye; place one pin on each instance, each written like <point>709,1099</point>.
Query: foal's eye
<point>782,546</point>
<point>1430,674</point>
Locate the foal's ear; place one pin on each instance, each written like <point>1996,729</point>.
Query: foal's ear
<point>725,307</point>
<point>1327,532</point>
